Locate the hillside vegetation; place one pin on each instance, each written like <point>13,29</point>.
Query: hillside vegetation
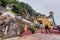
<point>20,8</point>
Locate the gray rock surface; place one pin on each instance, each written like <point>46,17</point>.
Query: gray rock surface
<point>37,37</point>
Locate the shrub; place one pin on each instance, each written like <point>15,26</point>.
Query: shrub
<point>32,29</point>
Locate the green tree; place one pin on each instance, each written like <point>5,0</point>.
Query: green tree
<point>19,8</point>
<point>3,3</point>
<point>9,1</point>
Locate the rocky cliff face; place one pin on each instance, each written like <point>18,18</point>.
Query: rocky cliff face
<point>12,25</point>
<point>8,26</point>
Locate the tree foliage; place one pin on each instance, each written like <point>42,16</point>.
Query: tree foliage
<point>9,1</point>
<point>20,8</point>
<point>3,3</point>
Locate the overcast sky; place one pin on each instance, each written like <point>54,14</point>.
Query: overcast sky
<point>45,6</point>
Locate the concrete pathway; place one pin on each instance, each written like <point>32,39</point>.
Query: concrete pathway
<point>37,37</point>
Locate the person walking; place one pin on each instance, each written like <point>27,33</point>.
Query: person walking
<point>47,29</point>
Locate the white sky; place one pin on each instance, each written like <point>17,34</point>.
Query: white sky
<point>45,6</point>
